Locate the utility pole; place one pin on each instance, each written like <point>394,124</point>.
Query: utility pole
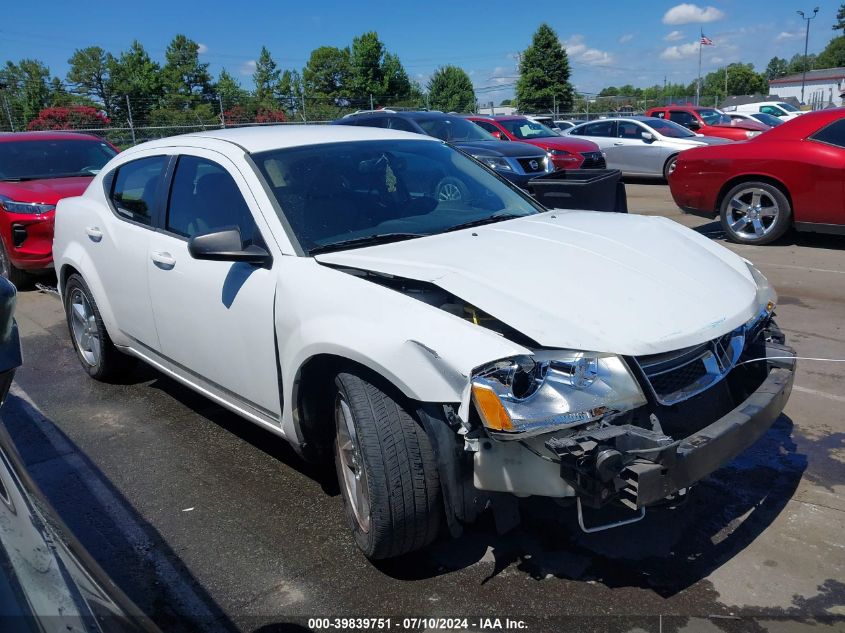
<point>131,125</point>
<point>698,83</point>
<point>726,81</point>
<point>371,103</point>
<point>8,112</point>
<point>806,41</point>
<point>222,116</point>
<point>664,90</point>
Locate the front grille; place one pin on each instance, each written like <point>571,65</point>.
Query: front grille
<point>679,375</point>
<point>525,163</point>
<point>593,160</point>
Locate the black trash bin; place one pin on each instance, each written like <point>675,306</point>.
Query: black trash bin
<point>590,189</point>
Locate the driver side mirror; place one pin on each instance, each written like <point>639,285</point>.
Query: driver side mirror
<point>501,136</point>
<point>647,137</point>
<point>694,125</point>
<point>226,246</point>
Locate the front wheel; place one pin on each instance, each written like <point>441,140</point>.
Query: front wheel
<point>94,348</point>
<point>386,470</point>
<point>451,189</point>
<point>669,167</point>
<point>755,213</point>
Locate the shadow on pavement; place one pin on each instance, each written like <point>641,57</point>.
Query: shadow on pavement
<point>128,548</point>
<point>667,552</point>
<point>714,231</point>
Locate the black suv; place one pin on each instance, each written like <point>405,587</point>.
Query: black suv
<point>518,162</point>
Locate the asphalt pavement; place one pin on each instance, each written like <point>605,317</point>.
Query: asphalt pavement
<point>210,523</point>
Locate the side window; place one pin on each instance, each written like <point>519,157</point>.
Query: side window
<point>660,114</point>
<point>204,198</point>
<point>400,124</point>
<point>833,134</point>
<point>602,128</point>
<point>489,127</point>
<point>681,117</point>
<point>771,110</point>
<point>373,121</point>
<point>135,187</point>
<point>629,130</point>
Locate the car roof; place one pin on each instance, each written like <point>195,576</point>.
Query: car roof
<point>804,125</point>
<point>634,117</point>
<point>268,137</point>
<point>407,114</point>
<point>59,135</point>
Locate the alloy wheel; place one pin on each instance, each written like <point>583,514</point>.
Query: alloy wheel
<point>83,323</point>
<point>752,213</point>
<point>449,192</point>
<point>351,464</point>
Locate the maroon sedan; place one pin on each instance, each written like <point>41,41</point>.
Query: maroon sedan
<point>37,169</point>
<point>791,176</point>
<point>565,152</point>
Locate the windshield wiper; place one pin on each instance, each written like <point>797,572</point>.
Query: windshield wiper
<point>366,240</point>
<point>482,221</point>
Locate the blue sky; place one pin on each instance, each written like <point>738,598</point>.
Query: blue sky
<point>609,43</point>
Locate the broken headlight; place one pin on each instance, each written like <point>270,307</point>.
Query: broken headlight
<point>528,395</point>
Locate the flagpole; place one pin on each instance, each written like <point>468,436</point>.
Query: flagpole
<point>698,83</point>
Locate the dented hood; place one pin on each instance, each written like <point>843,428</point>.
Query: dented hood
<point>603,282</point>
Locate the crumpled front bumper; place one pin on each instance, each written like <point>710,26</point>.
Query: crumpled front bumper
<point>640,467</point>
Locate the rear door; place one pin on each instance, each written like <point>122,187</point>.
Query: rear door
<point>119,247</point>
<point>215,319</point>
<point>632,154</point>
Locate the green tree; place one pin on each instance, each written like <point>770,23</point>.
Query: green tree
<point>777,67</point>
<point>798,63</point>
<point>325,81</point>
<point>505,102</point>
<point>833,55</point>
<point>544,74</point>
<point>136,76</point>
<point>91,77</point>
<point>185,79</point>
<point>266,79</point>
<point>290,91</point>
<point>742,80</point>
<point>397,86</point>
<point>839,25</point>
<point>450,89</point>
<point>366,75</point>
<point>230,91</point>
<point>27,89</point>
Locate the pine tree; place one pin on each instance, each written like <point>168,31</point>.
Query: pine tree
<point>544,74</point>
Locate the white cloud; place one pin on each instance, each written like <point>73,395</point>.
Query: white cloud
<point>716,60</point>
<point>626,38</point>
<point>789,35</point>
<point>578,50</point>
<point>691,14</point>
<point>202,48</point>
<point>680,52</point>
<point>248,67</point>
<point>674,36</point>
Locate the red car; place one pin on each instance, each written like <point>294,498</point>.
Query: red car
<point>791,176</point>
<point>565,152</point>
<point>37,169</point>
<point>709,122</point>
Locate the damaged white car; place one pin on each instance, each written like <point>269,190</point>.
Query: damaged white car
<point>451,354</point>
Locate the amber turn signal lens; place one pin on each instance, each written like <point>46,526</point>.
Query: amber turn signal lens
<point>490,409</point>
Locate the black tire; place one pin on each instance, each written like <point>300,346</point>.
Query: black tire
<point>741,218</point>
<point>451,189</point>
<point>398,471</point>
<point>110,364</point>
<point>669,167</point>
<point>18,277</point>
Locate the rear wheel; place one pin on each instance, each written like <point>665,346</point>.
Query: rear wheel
<point>94,348</point>
<point>669,167</point>
<point>755,213</point>
<point>386,470</point>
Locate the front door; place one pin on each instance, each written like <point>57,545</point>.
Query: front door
<point>215,319</point>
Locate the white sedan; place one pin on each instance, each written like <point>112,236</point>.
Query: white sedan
<point>447,355</point>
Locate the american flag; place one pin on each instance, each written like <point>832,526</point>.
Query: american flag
<point>706,41</point>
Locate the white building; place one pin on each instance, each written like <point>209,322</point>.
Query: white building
<point>822,88</point>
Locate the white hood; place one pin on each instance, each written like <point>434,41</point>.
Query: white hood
<point>602,282</point>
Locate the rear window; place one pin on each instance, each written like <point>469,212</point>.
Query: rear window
<point>59,158</point>
<point>833,134</point>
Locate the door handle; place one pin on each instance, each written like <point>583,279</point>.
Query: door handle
<point>94,233</point>
<point>620,143</point>
<point>164,260</point>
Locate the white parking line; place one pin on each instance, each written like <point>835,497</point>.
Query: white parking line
<point>815,270</point>
<point>188,600</point>
<point>821,394</point>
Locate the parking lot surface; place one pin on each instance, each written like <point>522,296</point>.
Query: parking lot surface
<point>210,523</point>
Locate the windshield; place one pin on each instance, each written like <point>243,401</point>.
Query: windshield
<point>668,128</point>
<point>59,158</point>
<point>526,129</point>
<point>340,192</point>
<point>454,129</point>
<point>714,117</point>
<point>768,119</point>
<point>787,107</point>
